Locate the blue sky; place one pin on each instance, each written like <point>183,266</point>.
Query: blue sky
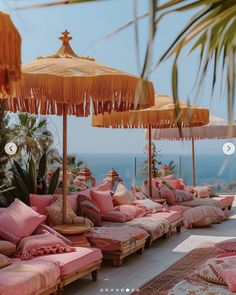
<point>40,29</point>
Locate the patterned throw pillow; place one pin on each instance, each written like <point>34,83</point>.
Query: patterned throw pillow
<point>202,191</point>
<point>7,248</point>
<point>4,261</point>
<point>220,271</point>
<point>182,196</point>
<point>89,209</point>
<point>228,245</point>
<point>168,194</point>
<point>123,196</point>
<point>202,216</point>
<point>211,272</point>
<point>55,213</point>
<point>149,205</point>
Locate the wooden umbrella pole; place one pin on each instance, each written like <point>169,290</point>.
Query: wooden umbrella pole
<point>64,163</point>
<point>193,163</point>
<point>150,161</point>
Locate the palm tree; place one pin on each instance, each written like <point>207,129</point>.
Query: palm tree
<point>212,29</point>
<point>32,137</point>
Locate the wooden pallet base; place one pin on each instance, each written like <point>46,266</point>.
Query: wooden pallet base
<point>118,256</point>
<point>91,268</point>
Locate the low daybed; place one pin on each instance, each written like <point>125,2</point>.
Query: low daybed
<point>29,277</point>
<point>118,242</point>
<point>42,262</point>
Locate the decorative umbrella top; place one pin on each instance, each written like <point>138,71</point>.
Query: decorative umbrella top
<point>217,128</point>
<point>161,115</point>
<point>66,78</point>
<point>10,54</point>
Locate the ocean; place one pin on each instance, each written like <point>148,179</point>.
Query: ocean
<point>218,170</point>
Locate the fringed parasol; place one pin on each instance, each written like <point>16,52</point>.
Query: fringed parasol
<point>162,115</point>
<point>68,84</point>
<point>10,54</point>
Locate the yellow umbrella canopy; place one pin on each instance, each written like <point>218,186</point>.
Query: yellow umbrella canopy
<point>68,79</point>
<point>66,84</point>
<point>10,54</point>
<point>162,115</point>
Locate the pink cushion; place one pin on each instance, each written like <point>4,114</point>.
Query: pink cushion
<point>104,186</point>
<point>182,196</point>
<point>42,244</point>
<point>145,189</point>
<point>2,210</point>
<point>224,200</point>
<point>179,208</point>
<point>28,277</point>
<point>202,216</point>
<point>148,205</point>
<point>43,228</point>
<point>177,183</point>
<point>116,216</point>
<point>132,210</point>
<point>170,216</point>
<point>41,202</point>
<point>86,193</point>
<point>168,194</point>
<point>170,177</point>
<point>19,221</point>
<point>74,261</point>
<point>228,245</point>
<point>103,200</point>
<point>202,191</point>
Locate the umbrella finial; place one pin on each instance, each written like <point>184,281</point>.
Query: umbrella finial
<point>65,38</point>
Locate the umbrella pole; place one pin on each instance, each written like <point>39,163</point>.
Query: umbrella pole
<point>150,160</point>
<point>193,163</point>
<point>64,163</point>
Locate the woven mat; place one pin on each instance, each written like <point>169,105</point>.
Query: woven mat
<point>183,268</point>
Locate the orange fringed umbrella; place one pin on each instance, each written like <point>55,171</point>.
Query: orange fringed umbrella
<point>10,54</point>
<point>162,115</point>
<point>66,84</point>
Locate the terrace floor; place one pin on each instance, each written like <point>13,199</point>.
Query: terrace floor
<point>137,269</point>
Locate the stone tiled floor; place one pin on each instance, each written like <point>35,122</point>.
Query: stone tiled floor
<point>137,269</point>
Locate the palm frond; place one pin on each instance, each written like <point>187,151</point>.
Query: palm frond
<point>57,3</point>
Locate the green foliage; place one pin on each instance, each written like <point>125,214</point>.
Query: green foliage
<point>155,162</point>
<point>32,137</point>
<point>4,138</point>
<point>31,178</point>
<point>170,168</point>
<point>5,196</point>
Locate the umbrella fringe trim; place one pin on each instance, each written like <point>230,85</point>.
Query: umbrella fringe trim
<point>10,54</point>
<point>46,94</point>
